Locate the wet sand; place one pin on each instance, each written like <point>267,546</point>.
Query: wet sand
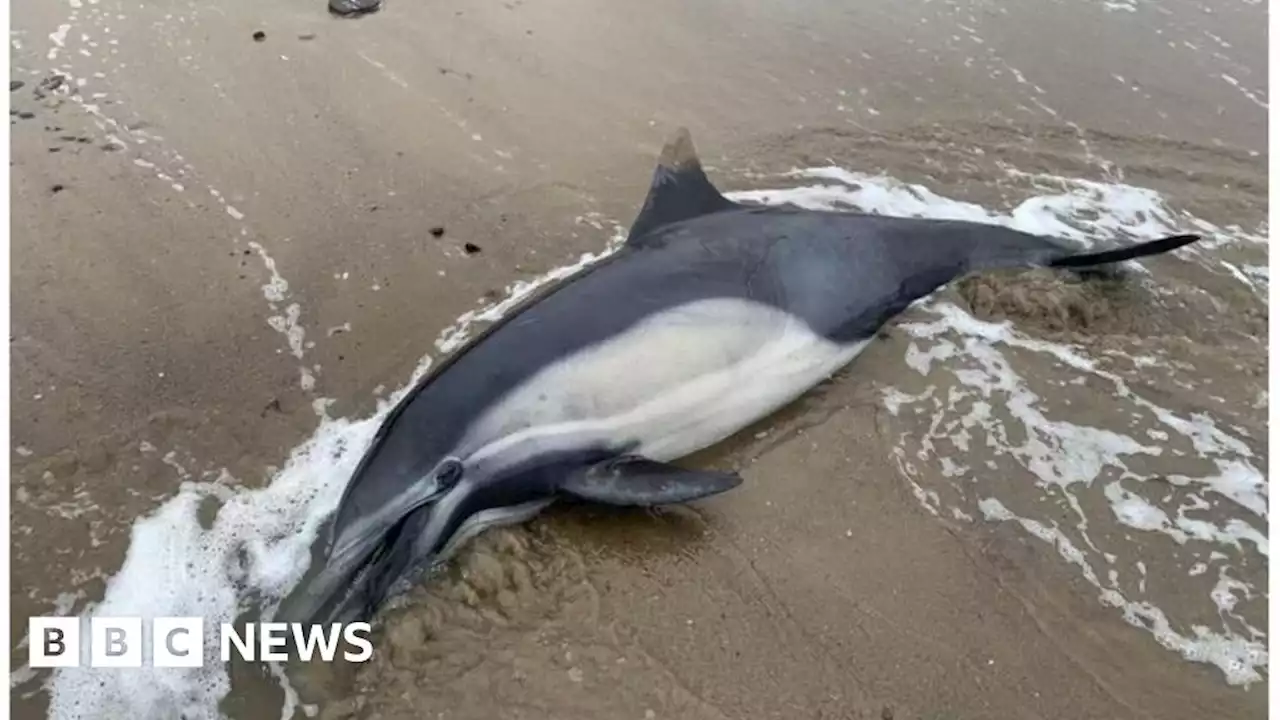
<point>184,184</point>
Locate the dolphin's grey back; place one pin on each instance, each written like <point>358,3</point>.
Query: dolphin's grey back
<point>844,274</point>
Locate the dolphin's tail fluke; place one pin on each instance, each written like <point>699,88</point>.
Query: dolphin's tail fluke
<point>1143,249</point>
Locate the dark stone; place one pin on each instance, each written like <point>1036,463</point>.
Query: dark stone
<point>354,8</point>
<point>52,82</point>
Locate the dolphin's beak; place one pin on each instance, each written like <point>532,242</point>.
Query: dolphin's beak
<point>366,555</point>
<point>351,584</point>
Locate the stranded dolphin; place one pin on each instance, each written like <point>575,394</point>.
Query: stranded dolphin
<point>712,316</point>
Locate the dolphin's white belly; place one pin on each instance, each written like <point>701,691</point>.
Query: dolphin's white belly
<point>676,383</point>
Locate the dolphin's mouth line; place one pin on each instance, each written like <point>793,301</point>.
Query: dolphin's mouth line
<point>437,491</point>
<point>357,580</point>
<point>336,594</point>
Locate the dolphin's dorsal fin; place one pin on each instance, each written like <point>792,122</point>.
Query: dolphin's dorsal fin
<point>680,189</point>
<point>631,480</point>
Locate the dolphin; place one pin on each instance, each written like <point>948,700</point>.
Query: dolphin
<point>711,316</point>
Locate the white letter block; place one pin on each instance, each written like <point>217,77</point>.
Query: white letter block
<point>177,642</point>
<point>54,642</point>
<point>115,642</point>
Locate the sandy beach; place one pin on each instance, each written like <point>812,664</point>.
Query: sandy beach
<point>238,228</point>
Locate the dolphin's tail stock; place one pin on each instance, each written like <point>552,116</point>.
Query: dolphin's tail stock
<point>1142,249</point>
<point>992,248</point>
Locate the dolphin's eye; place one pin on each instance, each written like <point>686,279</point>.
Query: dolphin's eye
<point>449,472</point>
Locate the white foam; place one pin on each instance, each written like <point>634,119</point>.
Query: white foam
<point>1067,458</point>
<point>894,398</point>
<point>1070,457</point>
<point>1253,97</point>
<point>1239,481</point>
<point>257,544</point>
<point>1237,657</point>
<point>276,291</point>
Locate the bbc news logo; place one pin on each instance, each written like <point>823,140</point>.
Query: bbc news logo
<point>179,642</point>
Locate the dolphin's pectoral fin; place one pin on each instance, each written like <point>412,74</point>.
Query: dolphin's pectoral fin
<point>680,189</point>
<point>637,481</point>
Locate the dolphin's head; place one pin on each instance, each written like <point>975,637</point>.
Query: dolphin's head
<point>401,515</point>
<point>374,535</point>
